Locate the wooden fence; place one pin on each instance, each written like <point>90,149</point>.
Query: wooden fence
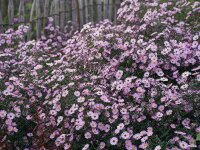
<point>36,12</point>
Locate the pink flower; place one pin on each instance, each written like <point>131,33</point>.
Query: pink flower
<point>144,139</point>
<point>38,67</point>
<point>119,74</point>
<point>159,72</point>
<point>86,147</point>
<point>113,141</point>
<point>53,112</point>
<point>65,93</point>
<point>77,93</point>
<point>10,116</point>
<point>93,124</point>
<point>102,145</point>
<point>157,147</point>
<point>10,128</point>
<point>104,98</point>
<point>128,145</point>
<point>120,126</point>
<point>3,113</point>
<point>183,145</point>
<point>107,128</point>
<point>123,111</point>
<point>95,131</point>
<point>159,114</point>
<point>137,136</point>
<point>143,145</point>
<point>81,99</point>
<point>169,112</point>
<point>60,119</point>
<point>149,133</point>
<point>67,146</point>
<point>94,116</point>
<point>28,117</point>
<point>125,135</point>
<point>10,88</point>
<point>119,87</point>
<point>117,131</point>
<point>88,135</point>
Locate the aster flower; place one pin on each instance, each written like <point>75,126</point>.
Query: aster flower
<point>3,113</point>
<point>108,80</point>
<point>158,147</point>
<point>10,116</point>
<point>102,145</point>
<point>125,135</point>
<point>183,145</point>
<point>113,141</point>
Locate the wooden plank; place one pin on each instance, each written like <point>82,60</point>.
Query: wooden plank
<point>1,19</point>
<point>110,10</point>
<point>99,10</point>
<point>31,19</point>
<point>91,11</point>
<point>56,13</point>
<point>46,12</point>
<point>69,10</point>
<point>74,12</point>
<point>62,14</point>
<point>83,11</point>
<point>86,7</point>
<point>32,11</point>
<point>82,16</point>
<point>78,14</point>
<point>38,21</point>
<point>22,11</point>
<point>105,9</point>
<point>94,7</point>
<point>52,9</point>
<point>4,8</point>
<point>117,5</point>
<point>10,12</point>
<point>46,8</point>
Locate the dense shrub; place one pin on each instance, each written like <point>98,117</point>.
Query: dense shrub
<point>134,85</point>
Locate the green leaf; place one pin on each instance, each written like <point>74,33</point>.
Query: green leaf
<point>198,137</point>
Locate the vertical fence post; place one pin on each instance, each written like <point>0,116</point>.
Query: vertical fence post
<point>91,11</point>
<point>21,11</point>
<point>38,21</point>
<point>31,19</point>
<point>62,14</point>
<point>69,10</point>
<point>78,14</point>
<point>56,13</point>
<point>1,19</point>
<point>86,11</point>
<point>4,8</point>
<point>110,13</point>
<point>74,12</point>
<point>99,10</point>
<point>81,12</point>
<point>117,5</point>
<point>46,8</point>
<point>10,12</point>
<point>52,9</point>
<point>46,12</point>
<point>105,9</point>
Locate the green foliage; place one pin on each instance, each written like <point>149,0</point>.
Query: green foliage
<point>198,137</point>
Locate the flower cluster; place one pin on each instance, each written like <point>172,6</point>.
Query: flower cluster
<point>134,85</point>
